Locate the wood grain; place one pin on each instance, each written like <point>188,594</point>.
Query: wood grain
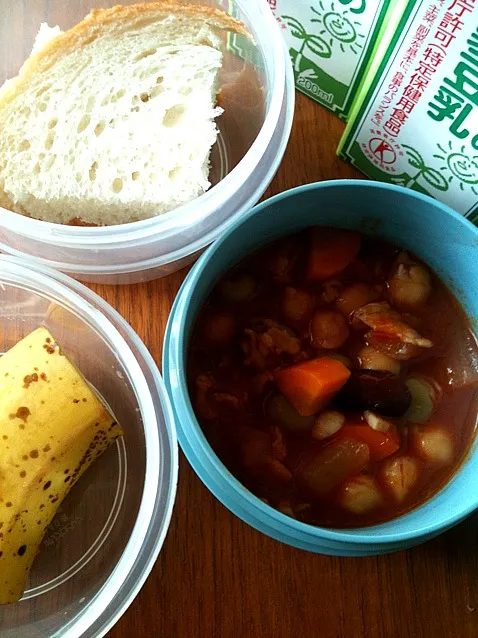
<point>218,578</point>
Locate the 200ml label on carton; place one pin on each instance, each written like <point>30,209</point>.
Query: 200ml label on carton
<point>329,43</point>
<point>418,125</point>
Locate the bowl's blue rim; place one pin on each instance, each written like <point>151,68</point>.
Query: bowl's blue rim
<point>369,535</point>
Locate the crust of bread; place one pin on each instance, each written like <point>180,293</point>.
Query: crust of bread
<point>94,24</point>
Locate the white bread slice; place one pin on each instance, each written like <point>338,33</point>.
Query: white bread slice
<point>113,121</point>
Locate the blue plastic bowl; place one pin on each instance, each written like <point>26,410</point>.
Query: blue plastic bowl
<point>441,237</point>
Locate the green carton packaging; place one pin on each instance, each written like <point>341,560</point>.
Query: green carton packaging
<point>415,119</point>
<point>330,44</point>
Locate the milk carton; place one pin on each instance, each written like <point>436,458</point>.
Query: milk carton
<point>415,120</point>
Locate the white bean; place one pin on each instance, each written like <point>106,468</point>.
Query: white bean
<point>433,444</point>
<point>410,286</point>
<point>372,359</point>
<point>297,304</point>
<point>377,422</point>
<point>328,329</point>
<point>327,424</point>
<point>399,475</point>
<point>355,296</point>
<point>360,495</point>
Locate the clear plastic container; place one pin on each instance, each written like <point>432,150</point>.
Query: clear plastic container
<point>107,534</point>
<point>258,102</point>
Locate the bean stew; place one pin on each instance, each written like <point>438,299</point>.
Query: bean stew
<point>336,377</point>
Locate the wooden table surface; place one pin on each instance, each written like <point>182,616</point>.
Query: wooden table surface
<point>216,577</point>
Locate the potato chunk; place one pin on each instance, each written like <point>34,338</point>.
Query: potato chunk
<point>325,469</point>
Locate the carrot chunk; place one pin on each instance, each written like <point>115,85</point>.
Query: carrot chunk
<point>310,385</point>
<point>332,251</point>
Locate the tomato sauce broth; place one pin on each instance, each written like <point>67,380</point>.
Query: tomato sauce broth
<point>255,324</point>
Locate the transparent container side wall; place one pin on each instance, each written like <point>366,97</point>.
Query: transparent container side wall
<point>86,538</point>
